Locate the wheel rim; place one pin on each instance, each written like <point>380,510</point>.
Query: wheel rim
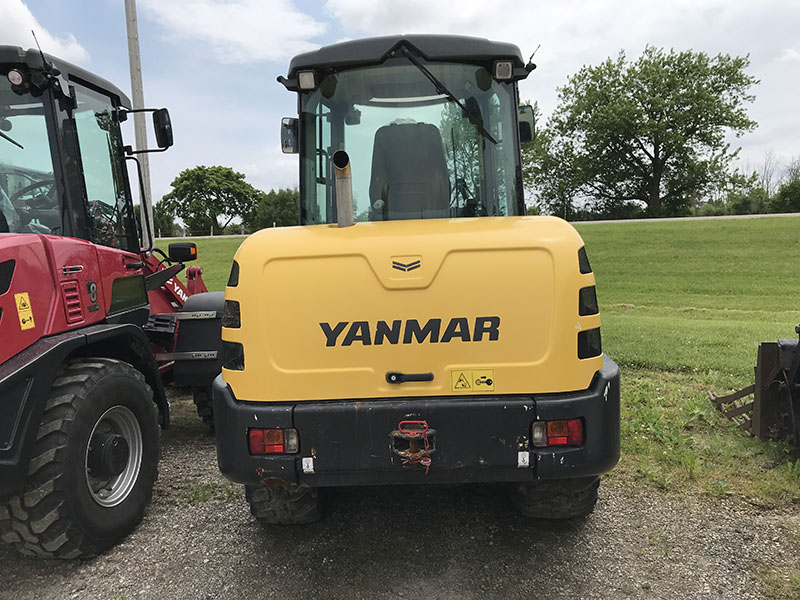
<point>110,489</point>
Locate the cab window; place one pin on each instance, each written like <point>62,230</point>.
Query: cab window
<point>29,200</point>
<point>100,140</point>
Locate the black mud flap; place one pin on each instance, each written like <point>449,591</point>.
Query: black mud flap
<point>198,349</point>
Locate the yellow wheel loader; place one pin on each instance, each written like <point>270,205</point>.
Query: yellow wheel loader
<point>416,327</point>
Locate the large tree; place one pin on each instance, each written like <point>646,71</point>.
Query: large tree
<point>210,197</point>
<point>651,131</point>
<point>278,208</point>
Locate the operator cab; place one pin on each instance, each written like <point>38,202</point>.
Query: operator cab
<point>62,169</point>
<point>429,123</point>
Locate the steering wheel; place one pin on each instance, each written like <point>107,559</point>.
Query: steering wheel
<point>50,183</point>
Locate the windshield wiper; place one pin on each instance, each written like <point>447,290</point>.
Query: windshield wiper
<point>441,89</point>
<point>5,137</point>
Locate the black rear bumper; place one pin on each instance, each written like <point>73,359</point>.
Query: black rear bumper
<point>473,439</point>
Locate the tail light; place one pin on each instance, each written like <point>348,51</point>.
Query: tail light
<point>566,432</point>
<point>273,441</point>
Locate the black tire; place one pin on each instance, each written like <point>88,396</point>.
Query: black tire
<point>283,504</point>
<point>556,499</point>
<point>57,514</point>
<point>205,406</point>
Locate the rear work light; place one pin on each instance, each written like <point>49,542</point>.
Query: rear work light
<point>273,441</point>
<point>503,69</point>
<point>307,80</point>
<point>557,433</point>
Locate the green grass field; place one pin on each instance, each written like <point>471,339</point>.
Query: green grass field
<point>215,255</point>
<point>695,295</point>
<point>684,306</point>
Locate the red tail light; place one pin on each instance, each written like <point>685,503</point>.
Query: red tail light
<point>557,433</point>
<point>273,441</point>
<point>574,432</point>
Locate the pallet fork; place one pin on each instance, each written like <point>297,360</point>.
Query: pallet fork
<point>774,411</point>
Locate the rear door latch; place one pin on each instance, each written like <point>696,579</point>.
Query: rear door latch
<point>398,377</point>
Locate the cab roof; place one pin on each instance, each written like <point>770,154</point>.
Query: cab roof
<point>32,59</point>
<point>454,48</point>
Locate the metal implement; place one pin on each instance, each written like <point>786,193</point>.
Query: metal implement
<point>774,411</point>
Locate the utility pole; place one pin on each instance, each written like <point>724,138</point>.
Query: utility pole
<point>140,128</point>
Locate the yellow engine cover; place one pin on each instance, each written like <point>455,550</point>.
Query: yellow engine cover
<point>487,305</point>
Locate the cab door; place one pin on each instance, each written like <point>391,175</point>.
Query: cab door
<point>120,286</point>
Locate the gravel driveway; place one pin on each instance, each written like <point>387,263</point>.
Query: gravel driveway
<point>416,542</point>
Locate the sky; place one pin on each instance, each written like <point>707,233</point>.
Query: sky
<point>213,63</point>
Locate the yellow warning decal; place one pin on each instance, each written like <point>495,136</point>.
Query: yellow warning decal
<point>24,311</point>
<point>476,381</point>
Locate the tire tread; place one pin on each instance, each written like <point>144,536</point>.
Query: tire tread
<point>36,521</point>
<point>284,505</point>
<point>205,406</point>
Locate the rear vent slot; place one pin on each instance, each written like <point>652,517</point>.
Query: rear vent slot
<point>231,316</point>
<point>233,356</point>
<point>233,279</point>
<point>72,301</point>
<point>587,302</point>
<point>6,271</point>
<point>589,344</point>
<point>583,261</point>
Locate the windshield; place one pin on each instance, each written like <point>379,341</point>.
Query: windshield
<point>415,152</point>
<point>28,199</point>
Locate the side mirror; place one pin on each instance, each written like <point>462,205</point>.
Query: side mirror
<point>182,252</point>
<point>163,128</point>
<point>527,123</point>
<point>289,135</point>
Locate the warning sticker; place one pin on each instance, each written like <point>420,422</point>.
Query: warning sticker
<point>24,311</point>
<point>475,381</point>
<point>460,380</point>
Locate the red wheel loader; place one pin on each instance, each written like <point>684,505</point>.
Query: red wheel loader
<point>92,325</point>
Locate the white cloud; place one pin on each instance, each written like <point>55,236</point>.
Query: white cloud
<point>790,55</point>
<point>15,30</point>
<point>239,31</point>
<point>574,33</point>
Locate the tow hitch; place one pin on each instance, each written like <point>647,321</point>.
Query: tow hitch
<point>413,442</point>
